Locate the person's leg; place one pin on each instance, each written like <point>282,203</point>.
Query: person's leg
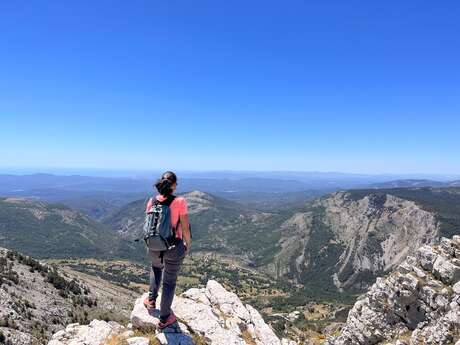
<point>156,271</point>
<point>172,260</point>
<point>155,280</point>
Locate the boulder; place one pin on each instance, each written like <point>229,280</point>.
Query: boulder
<point>93,334</point>
<point>446,270</point>
<point>426,257</point>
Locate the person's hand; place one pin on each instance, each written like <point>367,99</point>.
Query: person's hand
<point>187,248</point>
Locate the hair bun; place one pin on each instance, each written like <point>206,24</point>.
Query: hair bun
<point>164,186</point>
<point>165,183</point>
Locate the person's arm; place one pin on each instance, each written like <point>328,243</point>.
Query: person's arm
<point>186,231</point>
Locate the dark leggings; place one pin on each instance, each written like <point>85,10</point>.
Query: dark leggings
<point>172,262</point>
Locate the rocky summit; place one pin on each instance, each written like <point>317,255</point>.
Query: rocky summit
<point>418,303</point>
<point>210,315</point>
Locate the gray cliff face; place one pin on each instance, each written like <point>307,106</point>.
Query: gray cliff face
<point>419,303</point>
<point>345,241</point>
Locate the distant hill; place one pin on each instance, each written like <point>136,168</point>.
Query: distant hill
<point>410,183</point>
<point>217,225</point>
<point>415,183</point>
<point>266,201</point>
<point>53,230</point>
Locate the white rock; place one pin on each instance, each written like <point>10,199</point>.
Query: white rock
<point>225,301</point>
<point>127,334</point>
<point>140,316</point>
<point>446,270</point>
<point>93,334</point>
<point>264,334</point>
<point>213,313</point>
<point>426,257</point>
<point>456,288</point>
<point>59,334</point>
<point>198,295</point>
<point>419,272</point>
<point>162,338</point>
<point>413,301</point>
<point>202,319</point>
<point>138,341</point>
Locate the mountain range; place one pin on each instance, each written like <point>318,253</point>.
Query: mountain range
<point>337,243</point>
<point>416,183</point>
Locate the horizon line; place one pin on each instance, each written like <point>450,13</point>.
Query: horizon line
<point>65,171</point>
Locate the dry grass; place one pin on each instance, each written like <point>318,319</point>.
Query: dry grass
<point>116,340</point>
<point>199,340</point>
<point>150,336</point>
<point>247,337</point>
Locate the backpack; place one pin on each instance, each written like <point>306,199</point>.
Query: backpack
<point>159,233</point>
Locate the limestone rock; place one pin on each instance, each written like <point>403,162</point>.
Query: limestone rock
<point>227,302</point>
<point>446,270</point>
<point>262,332</point>
<point>141,318</point>
<point>426,257</point>
<point>213,313</point>
<point>93,334</point>
<point>138,341</point>
<point>420,299</point>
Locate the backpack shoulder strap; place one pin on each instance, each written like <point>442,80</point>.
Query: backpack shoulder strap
<point>149,205</point>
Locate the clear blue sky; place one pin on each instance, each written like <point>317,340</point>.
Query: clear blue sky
<point>354,86</point>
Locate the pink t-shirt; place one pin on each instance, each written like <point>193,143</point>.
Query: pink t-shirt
<point>178,208</point>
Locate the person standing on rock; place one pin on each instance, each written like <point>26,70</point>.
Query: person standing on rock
<point>166,259</point>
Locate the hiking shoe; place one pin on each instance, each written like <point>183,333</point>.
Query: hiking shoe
<point>149,303</point>
<point>169,321</point>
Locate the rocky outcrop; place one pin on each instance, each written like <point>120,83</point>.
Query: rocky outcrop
<point>38,299</point>
<point>419,303</point>
<point>212,314</point>
<point>93,334</point>
<point>358,238</point>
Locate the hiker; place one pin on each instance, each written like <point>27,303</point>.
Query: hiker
<point>168,244</point>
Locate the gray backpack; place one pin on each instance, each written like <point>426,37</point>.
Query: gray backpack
<point>159,233</point>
